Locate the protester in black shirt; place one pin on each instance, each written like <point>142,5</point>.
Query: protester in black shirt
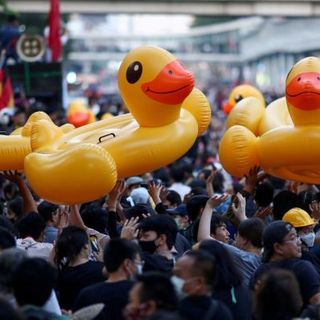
<point>121,262</point>
<point>76,271</point>
<point>194,275</point>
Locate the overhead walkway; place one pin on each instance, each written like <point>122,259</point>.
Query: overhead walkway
<point>235,8</point>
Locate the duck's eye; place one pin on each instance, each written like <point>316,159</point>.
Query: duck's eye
<point>238,98</point>
<point>134,72</point>
<point>318,78</point>
<point>170,72</point>
<point>299,79</point>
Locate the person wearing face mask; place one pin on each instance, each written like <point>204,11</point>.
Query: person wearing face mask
<point>122,263</point>
<point>194,275</point>
<point>304,226</point>
<point>157,236</point>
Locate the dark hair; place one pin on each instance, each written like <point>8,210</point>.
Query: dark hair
<point>204,265</point>
<point>139,210</point>
<point>177,172</point>
<point>194,206</point>
<point>69,244</point>
<point>7,239</point>
<point>31,225</point>
<point>9,262</point>
<point>283,202</point>
<point>46,210</point>
<point>251,230</point>
<point>33,282</point>
<point>226,274</point>
<point>7,224</point>
<point>8,312</point>
<point>264,194</point>
<point>216,222</point>
<point>278,296</point>
<point>174,197</point>
<point>161,224</point>
<point>158,287</point>
<point>12,18</point>
<point>218,182</point>
<point>118,250</point>
<point>16,205</point>
<point>95,218</point>
<point>305,199</point>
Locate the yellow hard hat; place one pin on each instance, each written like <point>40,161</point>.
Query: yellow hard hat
<point>298,218</point>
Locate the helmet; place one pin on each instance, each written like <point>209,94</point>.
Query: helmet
<point>298,218</point>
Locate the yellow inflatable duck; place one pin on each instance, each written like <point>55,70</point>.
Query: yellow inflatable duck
<point>79,114</point>
<point>248,110</point>
<point>291,151</point>
<point>239,93</point>
<point>166,115</point>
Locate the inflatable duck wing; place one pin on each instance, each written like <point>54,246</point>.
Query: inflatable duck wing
<point>289,152</point>
<point>166,115</point>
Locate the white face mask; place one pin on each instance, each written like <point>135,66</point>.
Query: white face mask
<point>139,269</point>
<point>178,285</point>
<point>308,239</point>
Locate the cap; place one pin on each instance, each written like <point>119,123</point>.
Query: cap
<point>275,233</point>
<point>140,195</point>
<point>298,218</point>
<point>134,180</point>
<point>180,210</point>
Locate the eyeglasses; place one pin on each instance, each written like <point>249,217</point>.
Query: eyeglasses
<point>295,238</point>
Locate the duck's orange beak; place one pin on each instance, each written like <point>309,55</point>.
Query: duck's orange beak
<point>79,119</point>
<point>171,86</point>
<point>227,107</point>
<point>303,91</point>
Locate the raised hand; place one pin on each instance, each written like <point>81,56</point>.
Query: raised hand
<point>209,180</point>
<point>239,210</point>
<point>115,194</point>
<point>253,178</point>
<point>216,200</point>
<point>262,213</point>
<point>12,175</point>
<point>157,192</point>
<point>130,229</point>
<point>314,207</point>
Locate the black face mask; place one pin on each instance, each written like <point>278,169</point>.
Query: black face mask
<point>148,246</point>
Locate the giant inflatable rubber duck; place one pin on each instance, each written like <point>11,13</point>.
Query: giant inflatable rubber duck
<point>249,110</point>
<point>166,115</point>
<point>288,152</point>
<point>239,93</point>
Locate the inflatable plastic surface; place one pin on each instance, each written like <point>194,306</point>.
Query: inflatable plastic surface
<point>239,93</point>
<point>289,151</point>
<point>166,115</point>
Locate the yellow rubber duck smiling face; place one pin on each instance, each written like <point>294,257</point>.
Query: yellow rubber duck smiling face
<point>153,85</point>
<point>303,92</point>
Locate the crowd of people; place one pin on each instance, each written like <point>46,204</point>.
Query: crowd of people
<point>184,242</point>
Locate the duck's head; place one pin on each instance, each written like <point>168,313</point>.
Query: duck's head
<point>78,114</point>
<point>240,92</point>
<point>153,85</point>
<point>303,91</point>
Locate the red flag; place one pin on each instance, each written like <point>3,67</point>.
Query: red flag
<point>54,41</point>
<point>6,93</point>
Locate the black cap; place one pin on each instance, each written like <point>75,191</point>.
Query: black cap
<point>275,233</point>
<point>180,210</point>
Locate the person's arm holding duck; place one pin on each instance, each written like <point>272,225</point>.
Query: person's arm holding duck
<point>205,220</point>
